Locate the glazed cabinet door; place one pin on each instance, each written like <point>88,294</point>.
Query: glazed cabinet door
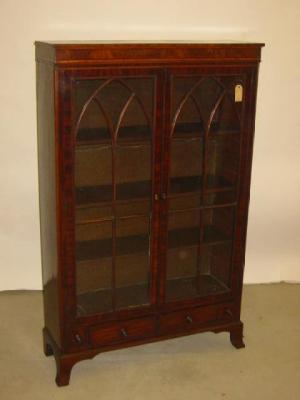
<point>202,169</point>
<point>114,126</point>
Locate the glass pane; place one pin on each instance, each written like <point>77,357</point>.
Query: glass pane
<point>216,249</point>
<point>113,124</point>
<point>189,121</point>
<point>225,118</point>
<point>214,271</point>
<point>206,95</point>
<point>222,164</point>
<point>219,198</point>
<point>134,124</point>
<point>94,267</point>
<point>181,85</point>
<point>223,147</point>
<point>218,224</point>
<point>193,100</point>
<point>185,181</point>
<point>134,191</point>
<point>132,261</point>
<point>186,119</point>
<point>184,236</point>
<point>199,252</point>
<point>93,182</point>
<point>91,122</point>
<point>133,170</point>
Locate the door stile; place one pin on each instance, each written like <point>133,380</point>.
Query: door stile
<point>163,189</point>
<point>158,129</point>
<point>246,155</point>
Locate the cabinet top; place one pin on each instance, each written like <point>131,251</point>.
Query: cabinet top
<point>148,52</point>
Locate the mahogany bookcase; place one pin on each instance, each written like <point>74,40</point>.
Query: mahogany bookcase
<point>145,154</point>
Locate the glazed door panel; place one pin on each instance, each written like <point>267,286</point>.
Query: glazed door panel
<point>115,129</point>
<point>202,142</point>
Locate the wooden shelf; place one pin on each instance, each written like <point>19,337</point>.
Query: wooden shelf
<point>136,295</point>
<point>192,184</point>
<point>101,300</point>
<point>131,135</point>
<point>185,184</point>
<point>139,244</point>
<point>204,285</point>
<point>188,130</point>
<point>141,190</point>
<point>196,130</point>
<point>103,193</point>
<point>190,237</point>
<point>125,135</point>
<point>125,245</point>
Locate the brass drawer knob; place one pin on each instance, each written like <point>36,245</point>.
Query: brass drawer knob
<point>78,338</point>
<point>189,319</point>
<point>228,312</point>
<point>124,332</point>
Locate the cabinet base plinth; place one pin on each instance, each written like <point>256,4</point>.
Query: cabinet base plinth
<point>65,362</point>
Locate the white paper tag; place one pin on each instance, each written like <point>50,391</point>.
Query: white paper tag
<point>238,93</point>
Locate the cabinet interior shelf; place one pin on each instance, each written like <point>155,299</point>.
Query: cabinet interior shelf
<point>101,300</point>
<point>133,132</point>
<point>192,184</point>
<point>129,296</point>
<point>142,134</point>
<point>141,190</point>
<point>139,244</point>
<point>202,285</point>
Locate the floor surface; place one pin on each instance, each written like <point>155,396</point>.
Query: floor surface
<point>202,366</point>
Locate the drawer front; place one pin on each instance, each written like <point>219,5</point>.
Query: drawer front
<point>196,317</point>
<point>122,331</point>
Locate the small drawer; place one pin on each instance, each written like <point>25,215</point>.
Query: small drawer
<point>187,319</point>
<point>122,331</point>
<point>195,318</point>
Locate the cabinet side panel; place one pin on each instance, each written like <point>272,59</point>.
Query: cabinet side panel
<point>47,195</point>
<point>246,170</point>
